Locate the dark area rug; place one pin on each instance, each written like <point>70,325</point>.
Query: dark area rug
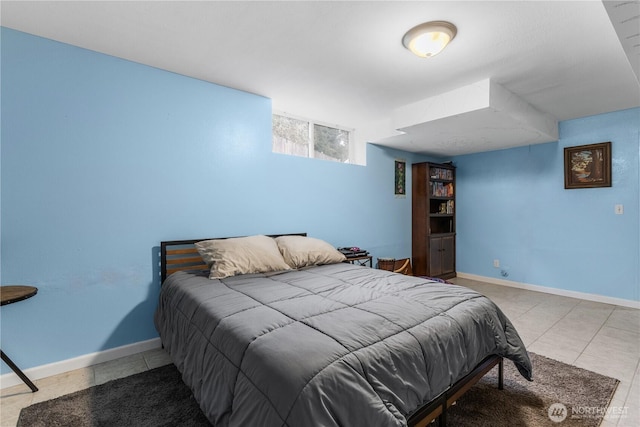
<point>153,398</point>
<point>159,398</point>
<point>573,396</point>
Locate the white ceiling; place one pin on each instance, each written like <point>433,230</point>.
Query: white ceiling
<point>343,62</point>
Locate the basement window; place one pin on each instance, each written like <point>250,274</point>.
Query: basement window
<point>307,138</point>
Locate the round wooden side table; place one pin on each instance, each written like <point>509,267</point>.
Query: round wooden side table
<point>9,295</point>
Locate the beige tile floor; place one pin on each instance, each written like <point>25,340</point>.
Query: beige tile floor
<point>599,337</point>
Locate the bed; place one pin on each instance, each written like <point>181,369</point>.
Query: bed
<point>329,345</point>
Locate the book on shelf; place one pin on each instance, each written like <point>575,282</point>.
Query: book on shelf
<point>440,189</point>
<point>439,173</point>
<point>446,207</point>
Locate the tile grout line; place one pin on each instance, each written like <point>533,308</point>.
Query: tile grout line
<point>594,335</point>
<point>633,377</point>
<point>551,327</point>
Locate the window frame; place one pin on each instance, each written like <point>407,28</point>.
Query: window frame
<point>311,134</point>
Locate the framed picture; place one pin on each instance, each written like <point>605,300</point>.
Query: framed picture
<point>400,177</point>
<point>587,166</point>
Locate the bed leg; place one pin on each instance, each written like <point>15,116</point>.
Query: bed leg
<point>501,374</point>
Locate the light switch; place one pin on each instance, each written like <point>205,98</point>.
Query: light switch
<point>619,209</point>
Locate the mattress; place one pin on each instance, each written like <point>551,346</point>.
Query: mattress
<point>332,345</point>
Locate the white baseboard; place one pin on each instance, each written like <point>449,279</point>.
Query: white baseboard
<point>555,291</point>
<point>43,371</point>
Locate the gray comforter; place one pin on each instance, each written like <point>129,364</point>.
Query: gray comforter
<point>334,345</point>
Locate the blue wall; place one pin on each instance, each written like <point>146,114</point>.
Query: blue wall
<point>103,158</point>
<point>512,206</point>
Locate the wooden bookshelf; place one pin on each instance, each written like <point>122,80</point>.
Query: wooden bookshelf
<point>433,220</point>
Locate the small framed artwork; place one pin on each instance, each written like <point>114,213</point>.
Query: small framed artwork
<point>400,178</point>
<point>587,166</point>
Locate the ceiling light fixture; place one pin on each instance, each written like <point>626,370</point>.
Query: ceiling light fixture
<point>428,39</point>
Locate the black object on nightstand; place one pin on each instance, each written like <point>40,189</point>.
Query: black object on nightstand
<point>357,256</point>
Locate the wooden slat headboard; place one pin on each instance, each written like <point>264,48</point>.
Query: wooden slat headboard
<point>181,255</point>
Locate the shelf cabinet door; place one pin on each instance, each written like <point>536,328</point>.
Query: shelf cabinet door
<point>435,257</point>
<point>442,256</point>
<point>448,251</point>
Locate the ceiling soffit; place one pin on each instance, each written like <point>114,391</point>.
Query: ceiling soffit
<point>482,116</point>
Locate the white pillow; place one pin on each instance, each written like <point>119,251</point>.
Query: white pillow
<point>241,255</point>
<point>301,251</point>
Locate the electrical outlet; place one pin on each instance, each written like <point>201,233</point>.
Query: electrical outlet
<point>496,263</point>
<point>619,209</point>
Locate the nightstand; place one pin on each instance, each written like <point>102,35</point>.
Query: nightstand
<point>364,260</point>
